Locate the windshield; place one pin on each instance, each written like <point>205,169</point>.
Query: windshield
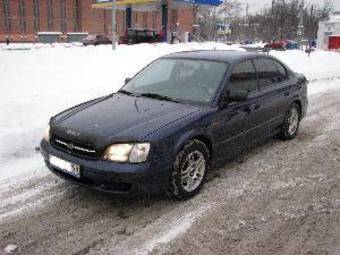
<point>182,80</point>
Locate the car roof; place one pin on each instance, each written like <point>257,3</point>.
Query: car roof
<point>229,56</point>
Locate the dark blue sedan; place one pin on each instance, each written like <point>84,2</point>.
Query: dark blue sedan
<point>179,116</point>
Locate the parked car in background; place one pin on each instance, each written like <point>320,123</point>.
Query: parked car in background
<point>96,40</point>
<point>246,41</point>
<point>276,45</point>
<point>179,116</point>
<point>134,36</point>
<point>292,45</point>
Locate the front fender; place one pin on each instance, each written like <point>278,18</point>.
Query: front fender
<point>189,136</point>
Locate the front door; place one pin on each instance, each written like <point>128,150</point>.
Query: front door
<point>238,118</point>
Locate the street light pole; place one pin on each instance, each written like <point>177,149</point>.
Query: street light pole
<point>300,26</point>
<point>113,24</point>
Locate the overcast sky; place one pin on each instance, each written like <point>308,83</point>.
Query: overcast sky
<point>257,5</point>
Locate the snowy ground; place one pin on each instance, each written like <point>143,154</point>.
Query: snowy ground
<point>38,81</point>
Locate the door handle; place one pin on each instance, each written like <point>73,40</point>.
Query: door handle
<point>247,109</point>
<point>257,107</point>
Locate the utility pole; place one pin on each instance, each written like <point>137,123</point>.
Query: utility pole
<point>113,24</point>
<point>300,32</point>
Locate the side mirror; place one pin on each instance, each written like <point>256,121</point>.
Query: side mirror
<point>237,95</point>
<point>127,80</point>
<point>233,96</point>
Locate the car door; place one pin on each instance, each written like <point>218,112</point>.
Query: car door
<point>273,94</point>
<point>235,120</point>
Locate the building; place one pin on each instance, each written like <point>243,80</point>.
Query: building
<point>21,20</point>
<point>328,28</point>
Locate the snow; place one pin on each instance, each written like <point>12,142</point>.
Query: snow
<point>42,80</point>
<point>49,33</point>
<point>10,248</point>
<point>320,65</point>
<point>173,230</point>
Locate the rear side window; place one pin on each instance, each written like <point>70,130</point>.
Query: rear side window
<point>269,71</point>
<point>243,77</point>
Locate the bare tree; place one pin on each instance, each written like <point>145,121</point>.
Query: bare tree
<point>208,17</point>
<point>281,21</point>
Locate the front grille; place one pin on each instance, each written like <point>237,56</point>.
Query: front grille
<point>77,148</point>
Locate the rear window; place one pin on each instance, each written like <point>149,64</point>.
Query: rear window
<point>269,71</point>
<point>282,70</point>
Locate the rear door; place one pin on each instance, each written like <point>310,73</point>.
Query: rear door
<point>274,93</point>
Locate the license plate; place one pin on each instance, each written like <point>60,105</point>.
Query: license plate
<point>65,166</point>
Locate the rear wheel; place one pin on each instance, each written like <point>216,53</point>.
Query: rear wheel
<point>291,122</point>
<point>190,170</point>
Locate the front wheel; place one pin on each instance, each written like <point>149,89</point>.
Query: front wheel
<point>291,122</point>
<point>189,170</point>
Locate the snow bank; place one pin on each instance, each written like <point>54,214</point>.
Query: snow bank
<point>320,64</point>
<point>42,80</point>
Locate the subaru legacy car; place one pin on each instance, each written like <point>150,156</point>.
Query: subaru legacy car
<point>174,120</point>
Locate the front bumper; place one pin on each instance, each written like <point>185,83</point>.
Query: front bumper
<point>117,178</point>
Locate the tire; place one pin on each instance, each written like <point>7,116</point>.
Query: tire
<point>183,186</point>
<point>291,122</point>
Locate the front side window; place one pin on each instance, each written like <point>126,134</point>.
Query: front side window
<point>243,77</point>
<point>184,80</point>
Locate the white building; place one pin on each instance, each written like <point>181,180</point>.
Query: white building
<point>327,28</point>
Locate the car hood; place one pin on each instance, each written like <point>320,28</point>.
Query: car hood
<point>120,118</point>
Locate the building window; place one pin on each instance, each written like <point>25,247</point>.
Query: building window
<point>50,14</point>
<point>154,20</point>
<point>22,17</point>
<point>36,15</point>
<point>326,37</point>
<point>174,17</point>
<point>105,25</point>
<point>63,24</point>
<point>124,25</point>
<point>135,19</point>
<point>76,16</point>
<point>6,11</point>
<point>145,20</point>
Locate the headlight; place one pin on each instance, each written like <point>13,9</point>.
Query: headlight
<point>47,134</point>
<point>133,153</point>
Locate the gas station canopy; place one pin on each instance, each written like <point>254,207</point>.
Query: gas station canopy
<point>107,4</point>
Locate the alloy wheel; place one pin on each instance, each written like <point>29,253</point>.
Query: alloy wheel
<point>193,171</point>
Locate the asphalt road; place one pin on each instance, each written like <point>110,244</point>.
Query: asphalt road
<point>278,198</point>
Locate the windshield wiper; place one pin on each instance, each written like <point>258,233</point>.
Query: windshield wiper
<point>159,97</point>
<point>126,92</point>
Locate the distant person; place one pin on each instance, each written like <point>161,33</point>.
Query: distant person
<point>162,35</point>
<point>190,37</point>
<point>176,34</point>
<point>7,40</point>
